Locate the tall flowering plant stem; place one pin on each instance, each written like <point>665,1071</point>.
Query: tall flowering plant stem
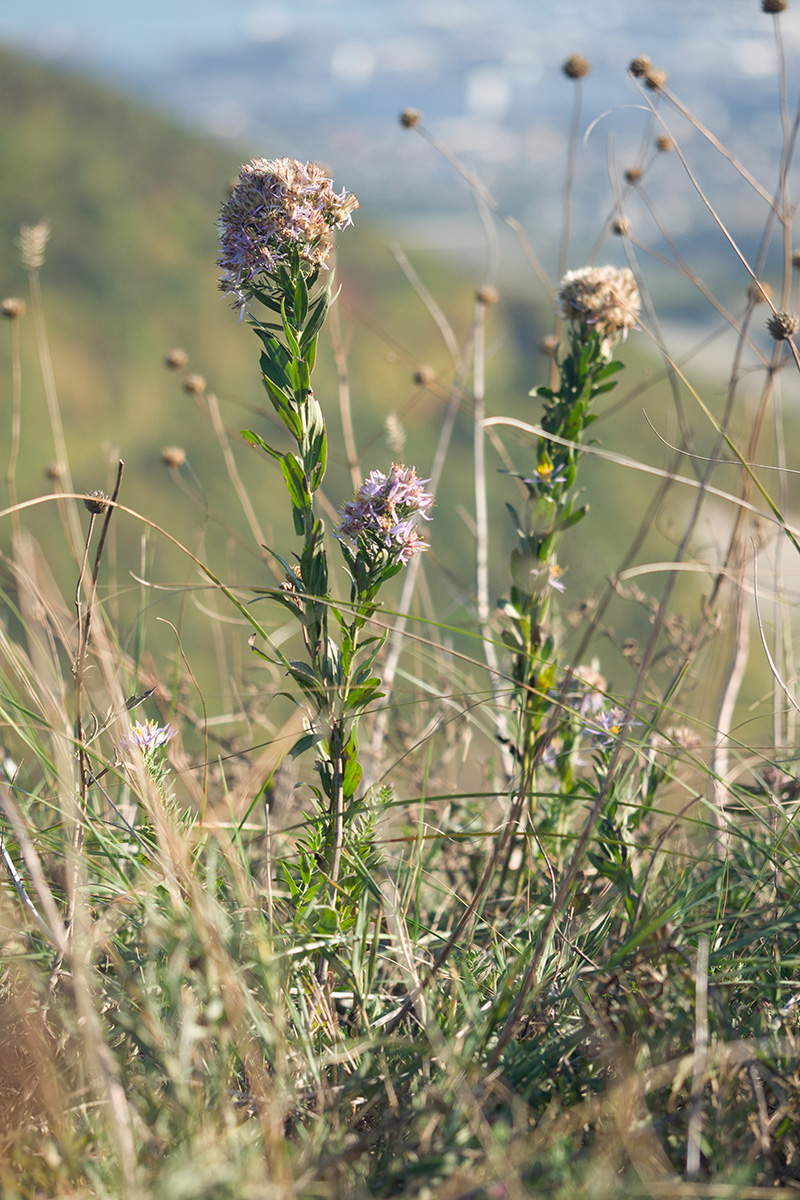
<point>276,234</point>
<point>600,304</point>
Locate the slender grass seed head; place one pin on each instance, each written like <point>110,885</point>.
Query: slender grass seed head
<point>32,242</point>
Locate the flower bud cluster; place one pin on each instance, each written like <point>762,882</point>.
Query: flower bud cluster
<point>383,513</point>
<point>278,207</point>
<point>605,299</point>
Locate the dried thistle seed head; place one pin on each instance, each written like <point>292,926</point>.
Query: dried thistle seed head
<point>633,175</point>
<point>96,502</point>
<point>576,67</point>
<point>173,456</point>
<point>424,376</point>
<point>621,226</point>
<point>639,65</point>
<point>410,118</point>
<point>55,471</point>
<point>194,384</point>
<point>783,325</point>
<point>487,295</point>
<point>281,210</point>
<point>774,6</point>
<point>664,143</point>
<point>759,292</point>
<point>13,308</point>
<point>548,345</point>
<point>32,241</point>
<point>176,360</point>
<point>655,78</point>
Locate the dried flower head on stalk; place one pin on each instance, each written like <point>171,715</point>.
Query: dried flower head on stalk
<point>783,325</point>
<point>604,299</point>
<point>278,206</point>
<point>383,512</point>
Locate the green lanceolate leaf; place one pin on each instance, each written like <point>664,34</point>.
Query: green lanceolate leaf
<point>297,486</point>
<point>300,300</point>
<point>314,562</point>
<point>253,439</point>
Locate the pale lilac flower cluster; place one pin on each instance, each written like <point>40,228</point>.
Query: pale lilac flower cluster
<point>383,512</point>
<point>278,205</point>
<point>148,736</point>
<point>605,299</point>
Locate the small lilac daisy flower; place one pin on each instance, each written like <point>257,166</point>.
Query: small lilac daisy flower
<point>148,736</point>
<point>383,513</point>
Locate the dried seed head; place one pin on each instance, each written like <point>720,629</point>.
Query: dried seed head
<point>55,471</point>
<point>774,6</point>
<point>783,325</point>
<point>759,292</point>
<point>576,67</point>
<point>96,502</point>
<point>194,384</point>
<point>603,299</point>
<point>548,345</point>
<point>639,66</point>
<point>424,376</point>
<point>32,241</point>
<point>173,456</point>
<point>487,295</point>
<point>410,118</point>
<point>13,308</point>
<point>633,175</point>
<point>176,360</point>
<point>655,78</point>
<point>621,226</point>
<point>796,259</point>
<point>664,143</point>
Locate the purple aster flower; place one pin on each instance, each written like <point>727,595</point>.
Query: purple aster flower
<point>148,736</point>
<point>277,206</point>
<point>384,511</point>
